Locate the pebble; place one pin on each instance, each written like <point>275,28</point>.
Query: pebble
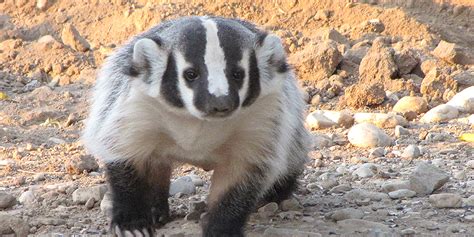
<point>27,198</point>
<point>268,210</point>
<point>82,195</point>
<point>401,131</point>
<point>182,185</point>
<point>79,163</point>
<point>6,200</point>
<point>197,181</point>
<point>346,213</point>
<point>366,170</point>
<point>395,185</point>
<point>71,37</point>
<point>361,226</point>
<point>106,204</point>
<point>290,205</point>
<point>368,135</point>
<point>90,203</point>
<point>469,201</point>
<point>440,113</point>
<point>341,188</point>
<point>321,141</point>
<point>317,120</point>
<point>427,178</point>
<point>402,193</point>
<point>408,232</point>
<point>358,194</point>
<point>39,177</point>
<point>51,221</point>
<point>469,218</point>
<point>445,200</point>
<point>470,164</point>
<point>282,232</point>
<point>377,152</point>
<point>411,152</point>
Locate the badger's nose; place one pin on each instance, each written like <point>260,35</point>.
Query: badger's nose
<point>220,106</point>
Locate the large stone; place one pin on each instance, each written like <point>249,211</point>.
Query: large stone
<point>438,85</point>
<point>361,226</point>
<point>13,225</point>
<point>182,185</point>
<point>451,53</point>
<point>79,163</point>
<point>378,65</point>
<point>465,78</point>
<point>360,194</point>
<point>366,170</point>
<point>406,61</point>
<point>282,232</point>
<point>346,213</point>
<point>356,53</point>
<point>464,100</point>
<point>362,94</point>
<point>317,120</point>
<point>331,34</point>
<point>81,195</point>
<point>380,119</point>
<point>320,60</point>
<point>6,200</point>
<point>401,193</point>
<point>27,198</point>
<point>368,135</point>
<point>440,113</point>
<point>411,103</point>
<point>411,151</point>
<point>446,200</point>
<point>427,178</point>
<point>70,36</point>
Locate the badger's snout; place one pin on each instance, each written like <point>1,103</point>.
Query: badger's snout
<point>221,106</point>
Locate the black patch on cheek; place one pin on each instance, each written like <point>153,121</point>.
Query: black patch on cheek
<point>254,81</point>
<point>283,67</point>
<point>169,84</point>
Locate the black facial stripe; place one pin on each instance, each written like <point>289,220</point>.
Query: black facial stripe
<point>193,45</point>
<point>169,83</point>
<point>254,81</point>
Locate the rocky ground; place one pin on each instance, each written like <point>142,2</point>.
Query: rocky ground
<point>390,92</point>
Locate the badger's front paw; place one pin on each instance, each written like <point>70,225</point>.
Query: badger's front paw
<point>139,224</point>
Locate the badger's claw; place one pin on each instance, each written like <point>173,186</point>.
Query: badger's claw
<point>123,232</point>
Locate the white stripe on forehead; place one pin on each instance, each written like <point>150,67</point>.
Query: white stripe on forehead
<point>214,59</point>
<point>245,64</point>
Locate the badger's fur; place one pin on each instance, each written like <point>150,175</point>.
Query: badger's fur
<point>213,92</point>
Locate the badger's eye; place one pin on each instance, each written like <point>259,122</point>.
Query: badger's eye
<point>190,74</point>
<point>238,74</point>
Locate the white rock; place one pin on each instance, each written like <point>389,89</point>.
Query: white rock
<point>27,198</point>
<point>81,195</point>
<point>469,201</point>
<point>365,170</point>
<point>402,193</point>
<point>426,178</point>
<point>470,164</point>
<point>440,113</point>
<point>368,135</point>
<point>395,185</point>
<point>342,118</point>
<point>464,100</point>
<point>182,185</point>
<point>401,131</point>
<point>43,4</point>
<point>411,103</point>
<point>346,213</point>
<point>381,120</point>
<point>445,200</point>
<point>317,120</point>
<point>106,204</point>
<point>377,152</point>
<point>411,151</point>
<point>471,119</point>
<point>47,39</point>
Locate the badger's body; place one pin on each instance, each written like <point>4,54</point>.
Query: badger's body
<point>213,92</point>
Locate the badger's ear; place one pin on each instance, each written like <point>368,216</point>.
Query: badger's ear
<point>270,52</point>
<point>148,54</point>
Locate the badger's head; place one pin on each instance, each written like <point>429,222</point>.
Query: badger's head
<point>209,67</point>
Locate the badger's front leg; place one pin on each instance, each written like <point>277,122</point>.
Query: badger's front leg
<point>139,197</point>
<point>235,190</point>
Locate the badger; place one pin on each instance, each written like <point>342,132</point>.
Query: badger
<point>213,92</point>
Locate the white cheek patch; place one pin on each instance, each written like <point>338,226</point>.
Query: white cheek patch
<point>187,94</point>
<point>214,59</point>
<point>245,64</point>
